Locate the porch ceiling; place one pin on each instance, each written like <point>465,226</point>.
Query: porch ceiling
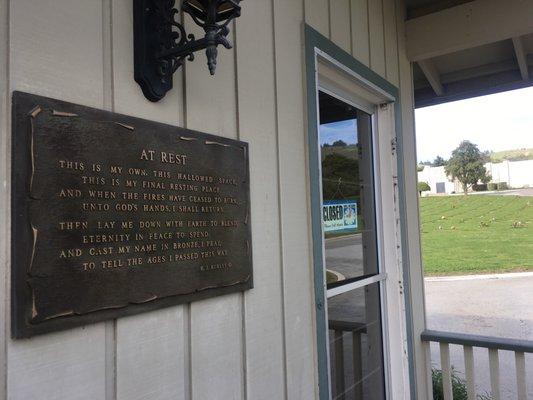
<point>418,8</point>
<point>465,48</point>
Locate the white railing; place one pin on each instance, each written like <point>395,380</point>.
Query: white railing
<point>469,342</point>
<point>343,385</point>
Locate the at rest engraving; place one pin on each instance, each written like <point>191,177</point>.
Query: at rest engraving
<point>117,214</point>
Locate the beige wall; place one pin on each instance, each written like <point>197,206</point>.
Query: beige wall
<point>255,345</point>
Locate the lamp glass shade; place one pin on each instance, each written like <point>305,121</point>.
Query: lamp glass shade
<point>224,8</point>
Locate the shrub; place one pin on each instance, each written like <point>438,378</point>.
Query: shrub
<point>503,186</point>
<point>423,187</point>
<point>492,186</point>
<point>458,387</point>
<point>482,187</point>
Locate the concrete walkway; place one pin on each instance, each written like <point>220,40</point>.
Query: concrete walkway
<point>489,305</point>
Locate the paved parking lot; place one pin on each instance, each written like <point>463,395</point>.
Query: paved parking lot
<point>515,192</point>
<point>488,305</point>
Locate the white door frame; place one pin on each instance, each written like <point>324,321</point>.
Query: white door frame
<point>334,77</point>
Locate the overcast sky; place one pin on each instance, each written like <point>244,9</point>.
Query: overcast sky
<point>502,121</point>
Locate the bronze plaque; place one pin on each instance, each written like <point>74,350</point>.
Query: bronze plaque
<point>115,215</point>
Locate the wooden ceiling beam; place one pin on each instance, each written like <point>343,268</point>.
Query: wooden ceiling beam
<point>436,6</point>
<point>432,75</point>
<point>521,57</point>
<point>468,25</point>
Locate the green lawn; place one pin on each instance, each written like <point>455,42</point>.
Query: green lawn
<point>476,234</point>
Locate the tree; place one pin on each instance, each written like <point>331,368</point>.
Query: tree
<point>466,165</point>
<point>340,176</point>
<point>339,143</point>
<point>423,187</point>
<point>439,162</point>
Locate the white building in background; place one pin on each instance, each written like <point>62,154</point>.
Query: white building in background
<point>517,174</point>
<point>437,180</point>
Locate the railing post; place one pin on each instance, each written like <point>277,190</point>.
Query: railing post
<point>446,371</point>
<point>469,342</point>
<point>357,365</point>
<point>339,364</point>
<point>469,372</point>
<point>520,362</point>
<point>429,375</point>
<point>494,362</point>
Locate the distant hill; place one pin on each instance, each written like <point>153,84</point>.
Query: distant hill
<point>349,151</point>
<point>512,155</point>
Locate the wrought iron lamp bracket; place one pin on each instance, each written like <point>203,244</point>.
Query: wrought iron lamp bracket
<point>161,45</point>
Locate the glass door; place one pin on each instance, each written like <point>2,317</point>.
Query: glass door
<point>354,282</point>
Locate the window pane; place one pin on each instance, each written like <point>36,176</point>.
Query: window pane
<point>347,190</point>
<point>355,339</point>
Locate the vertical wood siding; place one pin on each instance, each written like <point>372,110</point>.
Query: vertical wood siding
<point>391,42</point>
<point>257,125</point>
<point>416,285</point>
<point>376,36</point>
<point>256,345</point>
<point>360,33</point>
<point>317,14</point>
<point>160,339</point>
<point>70,364</point>
<point>365,28</point>
<point>298,289</point>
<point>340,18</point>
<point>217,346</point>
<point>5,170</point>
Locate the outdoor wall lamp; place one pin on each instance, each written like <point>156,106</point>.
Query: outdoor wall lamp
<point>161,44</point>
